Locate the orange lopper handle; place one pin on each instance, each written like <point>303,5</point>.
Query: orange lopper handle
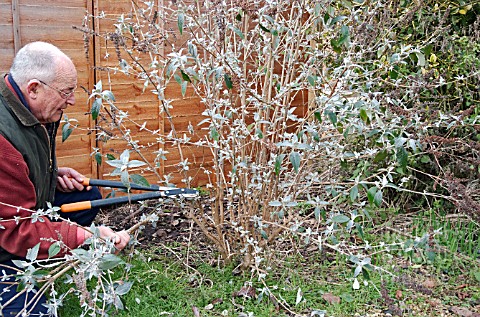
<point>86,181</point>
<point>81,205</point>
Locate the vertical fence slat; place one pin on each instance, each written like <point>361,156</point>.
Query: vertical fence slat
<point>92,62</point>
<point>161,114</point>
<point>16,26</point>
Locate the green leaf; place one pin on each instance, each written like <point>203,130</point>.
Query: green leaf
<point>108,95</point>
<point>382,155</point>
<point>367,214</point>
<point>185,76</point>
<point>54,249</point>
<point>123,288</point>
<point>192,50</point>
<point>334,239</point>
<point>380,51</point>
<point>109,261</point>
<point>99,86</point>
<point>97,104</point>
<point>264,234</point>
<point>269,18</point>
<point>340,219</point>
<point>228,81</point>
<point>33,253</point>
<point>427,49</point>
<point>364,115</point>
<point>344,35</point>
<point>425,159</point>
<point>178,79</point>
<point>431,256</point>
<point>135,163</point>
<point>316,212</point>
<point>394,72</point>
<point>278,163</point>
<point>402,156</point>
<point>337,19</point>
<point>180,22</point>
<point>332,116</point>
<point>377,199</point>
<point>183,87</point>
<point>312,80</point>
<point>98,158</point>
<point>275,203</point>
<point>337,48</point>
<point>420,59</point>
<point>118,303</point>
<point>371,194</point>
<point>353,193</point>
<point>125,156</point>
<point>139,180</point>
<point>365,274</point>
<point>115,163</point>
<point>81,254</point>
<point>318,116</point>
<point>323,213</point>
<point>214,134</point>
<point>340,127</point>
<point>66,131</point>
<point>264,28</point>
<point>238,32</point>
<point>318,8</point>
<point>125,178</point>
<point>360,230</point>
<point>295,160</point>
<point>259,133</point>
<point>110,157</point>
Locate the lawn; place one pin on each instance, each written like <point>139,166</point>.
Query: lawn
<point>175,273</point>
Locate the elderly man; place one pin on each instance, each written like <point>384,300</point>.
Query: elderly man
<point>33,96</point>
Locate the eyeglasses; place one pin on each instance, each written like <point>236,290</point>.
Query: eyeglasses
<point>65,95</point>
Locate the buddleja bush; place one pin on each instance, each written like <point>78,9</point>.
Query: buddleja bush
<point>308,111</point>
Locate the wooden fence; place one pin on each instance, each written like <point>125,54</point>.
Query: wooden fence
<point>24,21</point>
<point>57,22</point>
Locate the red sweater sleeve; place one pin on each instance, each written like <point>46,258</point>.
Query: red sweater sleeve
<point>16,189</point>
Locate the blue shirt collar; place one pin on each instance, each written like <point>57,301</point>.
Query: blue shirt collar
<point>18,91</point>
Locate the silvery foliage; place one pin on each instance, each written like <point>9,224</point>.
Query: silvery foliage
<point>88,270</point>
<point>297,120</point>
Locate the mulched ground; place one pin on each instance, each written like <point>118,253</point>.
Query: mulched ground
<point>172,225</point>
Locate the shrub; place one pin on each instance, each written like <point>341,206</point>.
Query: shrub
<point>312,109</point>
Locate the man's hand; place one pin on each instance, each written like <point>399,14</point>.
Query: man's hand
<point>70,180</point>
<point>119,238</point>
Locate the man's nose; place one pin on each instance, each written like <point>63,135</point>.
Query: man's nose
<point>71,99</point>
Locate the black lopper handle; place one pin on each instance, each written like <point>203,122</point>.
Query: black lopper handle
<point>83,205</point>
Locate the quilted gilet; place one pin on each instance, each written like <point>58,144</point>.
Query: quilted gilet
<point>33,140</point>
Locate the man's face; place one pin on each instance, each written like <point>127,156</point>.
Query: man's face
<point>54,97</point>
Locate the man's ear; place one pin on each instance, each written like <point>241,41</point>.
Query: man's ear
<point>32,88</point>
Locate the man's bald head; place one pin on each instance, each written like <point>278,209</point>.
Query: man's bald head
<point>38,60</point>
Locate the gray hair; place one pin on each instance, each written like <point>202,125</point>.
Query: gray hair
<point>36,60</point>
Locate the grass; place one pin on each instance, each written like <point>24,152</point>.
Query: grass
<point>312,284</point>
